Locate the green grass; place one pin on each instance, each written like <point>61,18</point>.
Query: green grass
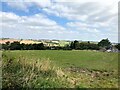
<point>60,68</point>
<point>85,59</point>
<point>63,43</point>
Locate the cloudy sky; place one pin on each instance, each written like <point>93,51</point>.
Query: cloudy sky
<point>59,19</point>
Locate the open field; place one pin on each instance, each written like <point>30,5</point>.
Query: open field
<point>61,43</point>
<point>58,68</point>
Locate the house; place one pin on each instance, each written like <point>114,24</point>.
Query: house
<point>112,49</point>
<point>109,50</point>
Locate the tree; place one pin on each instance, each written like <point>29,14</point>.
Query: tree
<point>67,47</point>
<point>81,46</point>
<point>15,46</point>
<point>74,45</point>
<point>104,43</point>
<point>7,45</point>
<point>118,46</point>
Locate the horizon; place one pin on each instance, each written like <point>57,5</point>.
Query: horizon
<point>56,39</point>
<point>60,20</point>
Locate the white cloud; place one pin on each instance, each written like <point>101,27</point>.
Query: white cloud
<point>27,26</point>
<point>38,20</point>
<point>8,17</point>
<point>42,3</point>
<point>93,17</point>
<point>35,20</point>
<point>83,11</point>
<point>20,5</point>
<point>92,10</point>
<point>25,4</point>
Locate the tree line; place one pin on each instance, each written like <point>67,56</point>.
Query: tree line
<point>17,46</point>
<point>76,45</point>
<point>83,45</point>
<point>104,43</point>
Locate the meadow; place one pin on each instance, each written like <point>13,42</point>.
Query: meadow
<point>59,69</point>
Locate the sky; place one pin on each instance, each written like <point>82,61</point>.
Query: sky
<point>86,20</point>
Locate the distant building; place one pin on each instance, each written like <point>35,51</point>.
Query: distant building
<point>114,44</point>
<point>112,49</point>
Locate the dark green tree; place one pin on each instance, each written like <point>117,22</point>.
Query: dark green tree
<point>15,46</point>
<point>72,45</point>
<point>118,46</point>
<point>76,44</point>
<point>104,43</point>
<point>67,47</point>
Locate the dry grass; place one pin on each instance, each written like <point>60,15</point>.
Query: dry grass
<point>26,73</point>
<point>43,73</point>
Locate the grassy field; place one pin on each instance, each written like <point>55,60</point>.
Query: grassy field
<point>58,68</point>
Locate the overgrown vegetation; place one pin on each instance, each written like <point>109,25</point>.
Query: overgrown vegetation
<point>24,73</point>
<point>42,69</point>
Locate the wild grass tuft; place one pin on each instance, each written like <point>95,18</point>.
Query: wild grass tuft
<point>24,72</point>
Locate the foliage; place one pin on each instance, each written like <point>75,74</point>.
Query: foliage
<point>18,46</point>
<point>82,46</point>
<point>105,43</point>
<point>118,46</point>
<point>23,73</point>
<point>33,69</point>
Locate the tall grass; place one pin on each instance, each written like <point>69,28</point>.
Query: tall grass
<point>23,72</point>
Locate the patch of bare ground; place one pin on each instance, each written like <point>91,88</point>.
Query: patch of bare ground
<point>92,78</point>
<point>91,72</point>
